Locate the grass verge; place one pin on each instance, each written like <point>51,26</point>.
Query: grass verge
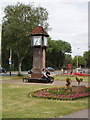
<point>72,77</point>
<point>18,104</point>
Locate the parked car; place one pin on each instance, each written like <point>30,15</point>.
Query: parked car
<point>79,70</point>
<point>2,70</point>
<point>50,69</point>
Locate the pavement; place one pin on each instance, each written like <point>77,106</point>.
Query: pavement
<point>55,83</point>
<point>79,114</point>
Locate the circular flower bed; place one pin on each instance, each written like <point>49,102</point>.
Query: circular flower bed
<point>61,93</point>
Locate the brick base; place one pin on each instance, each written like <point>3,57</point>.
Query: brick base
<point>36,75</point>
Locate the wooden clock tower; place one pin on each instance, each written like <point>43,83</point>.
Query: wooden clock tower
<point>39,43</point>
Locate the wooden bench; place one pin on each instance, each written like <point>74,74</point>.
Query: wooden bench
<point>37,80</point>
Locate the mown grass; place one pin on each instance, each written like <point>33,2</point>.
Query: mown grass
<point>18,104</point>
<point>72,77</point>
<point>10,78</point>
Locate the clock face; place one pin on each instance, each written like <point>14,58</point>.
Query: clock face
<point>45,41</point>
<point>37,40</point>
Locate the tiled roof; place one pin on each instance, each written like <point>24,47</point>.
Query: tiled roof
<point>39,30</point>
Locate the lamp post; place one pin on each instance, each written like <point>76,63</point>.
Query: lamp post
<point>10,60</point>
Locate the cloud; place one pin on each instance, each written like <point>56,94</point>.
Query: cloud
<point>67,16</point>
<point>80,41</point>
<point>68,20</point>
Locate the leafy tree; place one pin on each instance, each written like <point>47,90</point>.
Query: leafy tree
<point>68,59</point>
<point>81,61</point>
<point>56,52</point>
<point>18,22</point>
<point>86,56</point>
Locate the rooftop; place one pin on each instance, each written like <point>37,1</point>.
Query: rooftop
<point>39,30</point>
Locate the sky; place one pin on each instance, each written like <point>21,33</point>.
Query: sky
<point>67,18</point>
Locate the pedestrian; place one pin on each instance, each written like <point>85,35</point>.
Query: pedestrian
<point>44,74</point>
<point>61,71</point>
<point>30,72</point>
<point>50,79</point>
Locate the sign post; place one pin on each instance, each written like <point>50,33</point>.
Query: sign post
<point>10,60</point>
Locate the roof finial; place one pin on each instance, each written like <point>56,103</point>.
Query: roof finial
<point>39,24</point>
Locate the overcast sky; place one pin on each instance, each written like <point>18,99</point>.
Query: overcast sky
<point>68,20</point>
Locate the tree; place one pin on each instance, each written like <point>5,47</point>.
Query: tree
<point>81,61</point>
<point>86,56</point>
<point>18,22</point>
<point>56,52</point>
<point>68,59</point>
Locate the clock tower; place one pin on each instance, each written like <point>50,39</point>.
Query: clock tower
<point>39,44</point>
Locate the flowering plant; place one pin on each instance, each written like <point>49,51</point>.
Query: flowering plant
<point>68,81</point>
<point>61,93</point>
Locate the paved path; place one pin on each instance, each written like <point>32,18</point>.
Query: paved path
<point>80,114</point>
<point>55,83</point>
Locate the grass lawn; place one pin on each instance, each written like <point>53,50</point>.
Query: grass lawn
<point>10,78</point>
<point>72,77</point>
<point>18,104</point>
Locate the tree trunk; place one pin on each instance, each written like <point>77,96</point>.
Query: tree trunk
<point>19,67</point>
<point>19,63</point>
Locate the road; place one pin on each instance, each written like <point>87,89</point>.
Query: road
<point>79,114</point>
<point>25,73</point>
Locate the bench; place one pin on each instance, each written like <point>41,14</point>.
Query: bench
<point>37,80</point>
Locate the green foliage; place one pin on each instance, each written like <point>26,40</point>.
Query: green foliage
<point>81,61</point>
<point>56,52</point>
<point>68,59</point>
<point>62,91</point>
<point>18,22</point>
<point>86,56</point>
<point>19,74</point>
<point>59,45</point>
